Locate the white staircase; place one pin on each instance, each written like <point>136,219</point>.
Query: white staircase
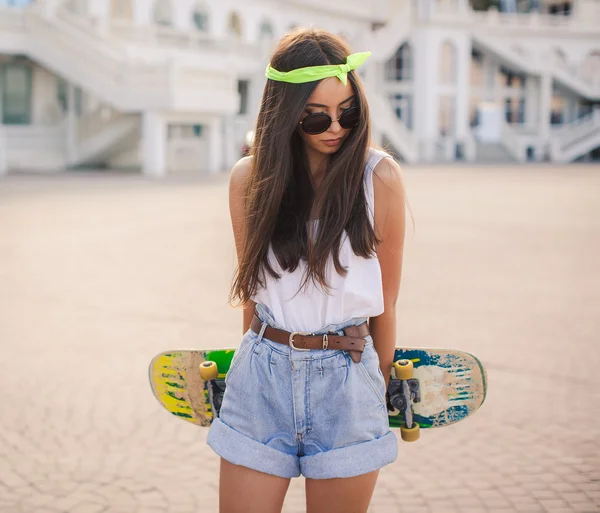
<point>571,79</point>
<point>393,129</point>
<point>575,139</point>
<point>127,75</point>
<point>518,139</point>
<point>102,134</point>
<point>530,63</point>
<point>493,153</point>
<point>513,58</point>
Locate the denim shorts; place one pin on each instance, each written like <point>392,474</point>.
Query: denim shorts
<point>316,413</point>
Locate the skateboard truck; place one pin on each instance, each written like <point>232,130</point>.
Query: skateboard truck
<point>216,388</point>
<point>402,397</point>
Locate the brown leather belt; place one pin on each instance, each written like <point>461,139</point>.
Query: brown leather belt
<point>352,341</point>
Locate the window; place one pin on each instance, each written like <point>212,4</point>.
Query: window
<point>201,21</point>
<point>477,70</point>
<point>474,111</point>
<point>448,64</point>
<point>162,12</point>
<point>446,117</point>
<point>243,86</point>
<point>17,3</point>
<point>62,93</point>
<point>509,78</point>
<point>399,67</point>
<point>16,94</point>
<point>508,110</point>
<point>78,100</point>
<point>185,131</point>
<point>477,56</point>
<point>561,9</point>
<point>235,25</point>
<point>265,30</point>
<point>200,17</point>
<point>402,105</point>
<point>557,107</point>
<point>121,9</point>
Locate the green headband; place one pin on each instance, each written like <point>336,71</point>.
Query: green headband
<point>313,73</point>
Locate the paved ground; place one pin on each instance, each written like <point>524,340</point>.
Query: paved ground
<point>100,272</point>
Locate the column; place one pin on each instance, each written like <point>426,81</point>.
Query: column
<point>142,13</point>
<point>571,108</point>
<point>219,19</point>
<point>3,150</point>
<point>531,100</point>
<point>72,123</point>
<point>215,145</point>
<point>490,68</point>
<point>586,12</point>
<point>154,144</point>
<point>545,105</point>
<point>232,151</point>
<point>3,145</point>
<point>49,8</point>
<point>257,85</point>
<point>462,128</point>
<point>425,9</point>
<point>426,99</point>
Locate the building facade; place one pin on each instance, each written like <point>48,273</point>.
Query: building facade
<point>168,86</point>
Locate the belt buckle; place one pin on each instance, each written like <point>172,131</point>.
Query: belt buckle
<point>291,341</point>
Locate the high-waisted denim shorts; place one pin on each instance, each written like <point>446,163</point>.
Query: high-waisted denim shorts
<point>316,413</point>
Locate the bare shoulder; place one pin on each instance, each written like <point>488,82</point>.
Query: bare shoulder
<point>390,197</point>
<point>388,190</point>
<point>388,178</point>
<point>238,178</point>
<point>237,192</point>
<point>240,172</point>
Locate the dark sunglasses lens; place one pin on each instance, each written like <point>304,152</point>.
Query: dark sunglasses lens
<point>350,118</point>
<point>316,123</point>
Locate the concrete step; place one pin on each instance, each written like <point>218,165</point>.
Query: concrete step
<point>492,152</point>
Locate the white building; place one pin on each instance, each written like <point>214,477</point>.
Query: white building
<point>173,85</point>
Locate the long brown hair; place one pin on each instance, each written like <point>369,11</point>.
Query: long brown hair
<point>279,194</point>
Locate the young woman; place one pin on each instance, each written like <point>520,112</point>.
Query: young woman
<point>318,218</point>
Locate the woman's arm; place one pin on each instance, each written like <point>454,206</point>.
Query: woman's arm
<point>389,191</point>
<point>237,187</point>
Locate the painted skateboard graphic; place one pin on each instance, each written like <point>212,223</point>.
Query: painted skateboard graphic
<point>428,388</point>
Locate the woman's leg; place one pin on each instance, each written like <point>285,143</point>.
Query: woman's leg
<point>242,489</point>
<point>340,495</point>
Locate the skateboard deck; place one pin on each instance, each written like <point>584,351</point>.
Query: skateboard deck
<point>442,386</point>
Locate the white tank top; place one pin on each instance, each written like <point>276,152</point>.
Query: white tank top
<point>358,294</point>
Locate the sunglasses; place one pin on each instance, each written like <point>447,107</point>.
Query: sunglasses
<point>320,122</point>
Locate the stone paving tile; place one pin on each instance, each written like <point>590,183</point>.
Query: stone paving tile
<point>100,272</point>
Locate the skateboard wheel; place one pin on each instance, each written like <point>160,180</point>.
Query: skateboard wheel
<point>410,434</point>
<point>208,371</point>
<point>404,369</point>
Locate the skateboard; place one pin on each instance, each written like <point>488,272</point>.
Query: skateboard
<point>428,388</point>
